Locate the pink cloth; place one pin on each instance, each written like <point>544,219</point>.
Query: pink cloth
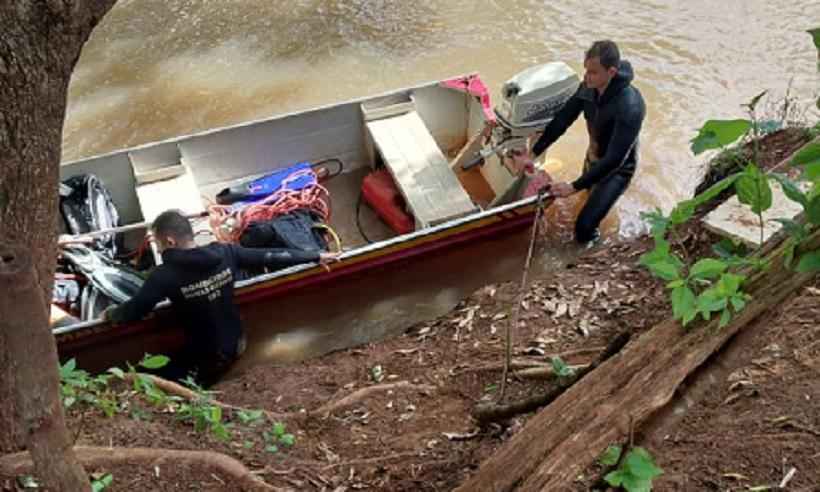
<point>472,84</point>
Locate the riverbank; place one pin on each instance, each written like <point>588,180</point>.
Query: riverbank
<point>396,415</point>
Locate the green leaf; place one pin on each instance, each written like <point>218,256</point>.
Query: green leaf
<point>716,189</point>
<point>755,100</point>
<point>738,303</point>
<point>788,254</point>
<point>707,268</point>
<point>809,262</point>
<point>682,212</point>
<point>725,318</point>
<point>101,484</point>
<point>815,35</point>
<point>616,478</point>
<point>287,440</point>
<point>250,416</point>
<point>675,284</point>
<point>808,156</point>
<point>658,223</point>
<point>67,368</point>
<point>791,190</point>
<point>610,456</point>
<point>794,229</point>
<point>719,133</point>
<point>813,210</point>
<point>729,283</point>
<point>116,371</point>
<point>640,463</point>
<point>278,429</point>
<point>664,270</point>
<point>216,414</point>
<point>154,361</point>
<point>560,368</point>
<point>683,303</point>
<point>272,448</point>
<point>753,189</point>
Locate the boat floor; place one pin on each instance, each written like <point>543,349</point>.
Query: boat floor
<point>344,193</point>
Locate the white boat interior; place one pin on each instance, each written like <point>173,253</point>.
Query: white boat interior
<point>420,134</point>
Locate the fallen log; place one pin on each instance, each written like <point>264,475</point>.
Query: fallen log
<point>562,440</point>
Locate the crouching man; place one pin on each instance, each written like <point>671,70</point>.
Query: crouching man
<point>199,281</point>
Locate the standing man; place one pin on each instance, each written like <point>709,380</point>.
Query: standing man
<point>199,282</point>
<point>614,111</point>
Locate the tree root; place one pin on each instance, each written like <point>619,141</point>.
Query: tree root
<point>485,413</point>
<point>361,394</point>
<point>324,411</point>
<point>102,457</point>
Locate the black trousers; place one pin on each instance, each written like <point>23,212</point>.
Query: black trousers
<point>600,201</point>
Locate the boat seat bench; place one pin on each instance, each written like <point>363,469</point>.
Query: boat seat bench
<point>423,175</point>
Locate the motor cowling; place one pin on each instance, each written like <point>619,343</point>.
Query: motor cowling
<point>533,97</point>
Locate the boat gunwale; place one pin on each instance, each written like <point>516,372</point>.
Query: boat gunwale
<point>244,285</point>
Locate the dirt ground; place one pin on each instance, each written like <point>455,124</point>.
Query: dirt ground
<point>757,417</point>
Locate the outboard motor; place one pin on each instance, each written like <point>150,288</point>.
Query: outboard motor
<point>530,101</point>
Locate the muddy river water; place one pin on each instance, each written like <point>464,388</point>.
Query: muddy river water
<point>159,68</point>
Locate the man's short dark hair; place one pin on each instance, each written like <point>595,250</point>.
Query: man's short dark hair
<point>606,51</point>
<point>172,223</point>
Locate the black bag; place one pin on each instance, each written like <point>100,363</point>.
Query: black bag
<point>294,230</point>
<point>86,206</point>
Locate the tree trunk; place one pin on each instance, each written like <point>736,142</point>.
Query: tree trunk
<point>561,441</point>
<point>40,45</point>
<point>37,391</point>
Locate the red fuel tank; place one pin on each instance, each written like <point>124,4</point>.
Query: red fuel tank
<point>380,192</point>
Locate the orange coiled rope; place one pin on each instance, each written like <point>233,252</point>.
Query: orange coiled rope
<point>228,222</point>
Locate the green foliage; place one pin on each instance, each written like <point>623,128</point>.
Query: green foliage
<point>753,189</point>
<point>77,385</point>
<point>636,472</point>
<point>719,133</point>
<point>561,369</point>
<point>250,417</point>
<point>610,456</point>
<point>154,361</point>
<point>815,35</point>
<point>276,437</point>
<point>203,412</point>
<point>809,262</point>
<point>809,158</point>
<point>100,482</point>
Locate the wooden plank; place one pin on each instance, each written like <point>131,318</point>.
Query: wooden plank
<point>421,171</point>
<point>736,221</point>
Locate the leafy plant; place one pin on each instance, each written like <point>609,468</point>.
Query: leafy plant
<point>277,436</point>
<point>203,413</point>
<point>77,385</point>
<point>636,472</point>
<point>100,482</point>
<point>560,368</point>
<point>610,456</point>
<point>141,382</point>
<point>250,417</point>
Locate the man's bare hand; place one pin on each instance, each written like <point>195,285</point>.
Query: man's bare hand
<point>562,189</point>
<point>327,258</point>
